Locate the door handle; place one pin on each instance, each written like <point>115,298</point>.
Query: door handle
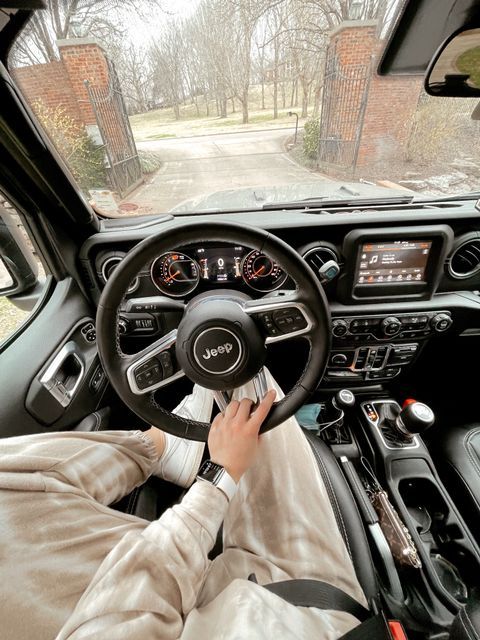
<point>65,373</point>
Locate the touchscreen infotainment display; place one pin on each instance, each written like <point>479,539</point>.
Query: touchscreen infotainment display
<point>392,262</point>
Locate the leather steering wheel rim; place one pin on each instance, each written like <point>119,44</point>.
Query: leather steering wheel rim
<point>308,292</point>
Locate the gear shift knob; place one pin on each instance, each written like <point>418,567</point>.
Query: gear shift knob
<point>343,399</point>
<point>415,417</point>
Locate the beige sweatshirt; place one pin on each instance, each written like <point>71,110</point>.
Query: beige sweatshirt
<point>73,568</point>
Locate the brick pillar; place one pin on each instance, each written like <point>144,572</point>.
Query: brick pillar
<point>382,112</point>
<point>387,124</point>
<point>84,59</point>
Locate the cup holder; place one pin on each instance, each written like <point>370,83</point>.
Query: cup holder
<point>441,536</point>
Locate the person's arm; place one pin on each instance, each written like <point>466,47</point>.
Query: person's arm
<point>151,579</point>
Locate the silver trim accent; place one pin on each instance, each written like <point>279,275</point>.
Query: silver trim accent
<point>222,399</point>
<point>49,380</point>
<point>277,286</point>
<point>260,384</point>
<point>394,586</point>
<point>462,276</point>
<point>162,344</point>
<point>261,308</point>
<point>167,293</point>
<point>240,350</point>
<point>333,254</point>
<point>133,285</point>
<point>414,444</point>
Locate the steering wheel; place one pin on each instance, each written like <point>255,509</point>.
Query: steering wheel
<point>221,341</point>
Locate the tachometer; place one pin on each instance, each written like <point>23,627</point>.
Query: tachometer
<point>261,273</point>
<point>175,274</point>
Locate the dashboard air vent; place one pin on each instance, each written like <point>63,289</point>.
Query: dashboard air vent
<point>465,260</point>
<point>316,257</point>
<point>108,267</point>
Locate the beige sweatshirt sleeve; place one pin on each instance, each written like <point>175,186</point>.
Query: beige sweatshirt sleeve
<point>150,580</point>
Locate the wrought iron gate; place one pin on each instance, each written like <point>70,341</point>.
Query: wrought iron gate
<point>123,165</point>
<point>345,93</point>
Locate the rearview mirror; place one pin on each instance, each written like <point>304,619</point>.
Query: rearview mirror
<point>455,68</point>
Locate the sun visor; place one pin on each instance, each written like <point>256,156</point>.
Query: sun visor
<point>421,27</point>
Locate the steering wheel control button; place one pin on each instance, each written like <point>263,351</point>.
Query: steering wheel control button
<point>148,374</point>
<point>267,321</point>
<point>167,365</point>
<point>217,350</point>
<point>289,320</point>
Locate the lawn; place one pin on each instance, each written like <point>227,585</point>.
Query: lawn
<point>161,123</point>
<point>10,318</point>
<point>469,62</point>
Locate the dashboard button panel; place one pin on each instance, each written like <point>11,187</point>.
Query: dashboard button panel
<point>386,327</point>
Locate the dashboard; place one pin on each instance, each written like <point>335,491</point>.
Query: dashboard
<point>407,278</point>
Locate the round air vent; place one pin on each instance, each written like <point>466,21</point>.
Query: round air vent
<point>465,260</point>
<point>316,257</point>
<point>108,267</point>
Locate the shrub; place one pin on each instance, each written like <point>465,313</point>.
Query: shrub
<point>85,159</point>
<point>149,161</point>
<point>311,138</point>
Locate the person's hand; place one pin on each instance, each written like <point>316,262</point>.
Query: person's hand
<point>233,438</point>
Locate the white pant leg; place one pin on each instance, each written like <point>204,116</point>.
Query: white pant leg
<point>197,405</point>
<point>280,523</point>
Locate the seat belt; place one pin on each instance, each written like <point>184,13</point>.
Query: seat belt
<point>322,595</point>
<point>314,593</point>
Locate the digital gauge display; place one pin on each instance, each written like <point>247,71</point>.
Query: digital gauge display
<point>175,274</point>
<point>220,264</point>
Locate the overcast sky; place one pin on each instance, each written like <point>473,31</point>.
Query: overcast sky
<point>147,24</point>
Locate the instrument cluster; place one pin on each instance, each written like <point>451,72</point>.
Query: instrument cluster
<point>178,273</point>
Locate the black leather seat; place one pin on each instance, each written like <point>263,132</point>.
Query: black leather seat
<point>458,462</point>
<point>346,514</point>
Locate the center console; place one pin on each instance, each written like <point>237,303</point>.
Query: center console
<point>377,347</point>
<point>378,439</point>
<point>404,266</point>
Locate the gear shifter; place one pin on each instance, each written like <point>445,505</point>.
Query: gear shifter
<point>415,417</point>
<point>332,416</point>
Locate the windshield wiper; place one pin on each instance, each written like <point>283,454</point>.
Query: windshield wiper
<point>470,195</point>
<point>320,203</point>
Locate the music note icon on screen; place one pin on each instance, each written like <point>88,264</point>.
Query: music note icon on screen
<point>373,259</point>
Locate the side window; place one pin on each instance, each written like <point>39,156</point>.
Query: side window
<point>22,275</point>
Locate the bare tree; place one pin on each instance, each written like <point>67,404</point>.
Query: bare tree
<point>65,18</point>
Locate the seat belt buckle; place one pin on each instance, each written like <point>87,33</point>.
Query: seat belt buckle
<point>397,630</point>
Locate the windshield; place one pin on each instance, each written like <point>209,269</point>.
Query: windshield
<point>209,105</point>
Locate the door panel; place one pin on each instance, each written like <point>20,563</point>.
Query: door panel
<point>49,375</point>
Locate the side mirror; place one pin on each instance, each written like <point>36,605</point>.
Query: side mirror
<point>18,268</point>
<point>455,69</point>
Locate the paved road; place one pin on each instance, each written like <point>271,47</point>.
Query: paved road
<point>204,164</point>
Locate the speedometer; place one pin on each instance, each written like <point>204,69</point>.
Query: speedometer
<point>261,273</point>
<point>175,274</point>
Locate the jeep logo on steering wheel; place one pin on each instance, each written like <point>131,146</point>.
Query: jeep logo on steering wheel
<point>218,351</point>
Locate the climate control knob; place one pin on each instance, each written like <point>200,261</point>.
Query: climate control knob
<point>390,326</point>
<point>441,322</point>
<point>339,328</point>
